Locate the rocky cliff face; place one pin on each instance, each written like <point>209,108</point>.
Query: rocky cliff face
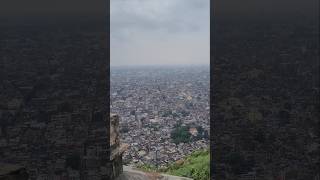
<point>116,148</point>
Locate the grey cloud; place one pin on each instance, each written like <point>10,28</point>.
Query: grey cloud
<point>144,26</point>
<point>166,14</point>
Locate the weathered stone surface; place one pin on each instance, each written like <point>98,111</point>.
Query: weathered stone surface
<point>114,131</point>
<point>130,173</point>
<point>116,147</point>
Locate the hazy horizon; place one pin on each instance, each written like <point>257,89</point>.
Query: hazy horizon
<point>157,65</point>
<point>159,33</point>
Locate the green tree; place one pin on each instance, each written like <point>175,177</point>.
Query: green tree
<point>181,134</point>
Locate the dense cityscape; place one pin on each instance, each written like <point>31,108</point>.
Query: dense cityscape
<point>154,101</point>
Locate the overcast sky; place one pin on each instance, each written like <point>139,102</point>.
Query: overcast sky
<point>150,32</point>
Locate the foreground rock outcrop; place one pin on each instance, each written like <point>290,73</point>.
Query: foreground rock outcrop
<point>116,148</point>
<point>130,173</point>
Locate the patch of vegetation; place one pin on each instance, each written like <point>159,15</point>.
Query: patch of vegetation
<point>148,168</point>
<point>181,134</point>
<point>195,166</point>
